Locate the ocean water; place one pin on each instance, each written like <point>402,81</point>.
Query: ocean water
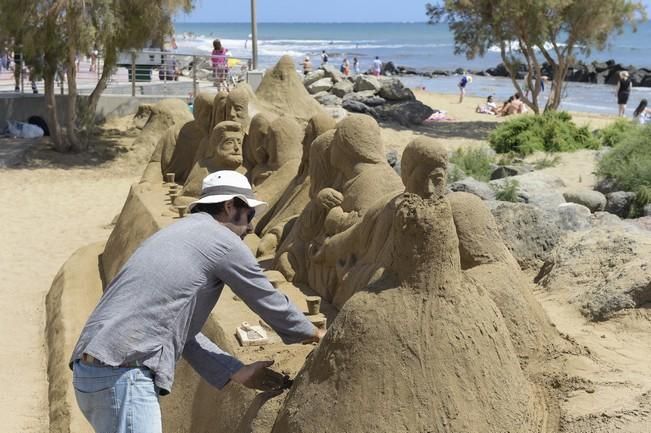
<point>417,45</point>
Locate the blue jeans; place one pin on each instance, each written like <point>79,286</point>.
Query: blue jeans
<point>117,400</point>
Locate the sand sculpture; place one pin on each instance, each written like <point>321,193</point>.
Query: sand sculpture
<point>296,196</point>
<point>184,140</point>
<point>357,176</point>
<point>283,147</point>
<point>169,113</point>
<point>255,154</point>
<point>423,349</point>
<point>223,153</point>
<point>282,92</point>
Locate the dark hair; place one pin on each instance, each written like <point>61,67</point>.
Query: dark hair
<point>640,108</point>
<point>516,96</point>
<point>217,208</point>
<point>217,44</point>
<point>490,98</point>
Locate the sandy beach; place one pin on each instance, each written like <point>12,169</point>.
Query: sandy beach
<point>55,204</point>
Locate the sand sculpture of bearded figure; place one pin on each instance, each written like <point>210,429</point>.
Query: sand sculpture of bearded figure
<point>254,152</point>
<point>297,195</point>
<point>283,147</point>
<point>184,140</point>
<point>224,153</point>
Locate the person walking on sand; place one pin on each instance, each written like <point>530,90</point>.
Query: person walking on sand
<point>345,67</point>
<point>377,66</point>
<point>153,311</point>
<point>624,86</point>
<point>219,64</point>
<point>324,57</point>
<point>355,66</point>
<point>463,83</point>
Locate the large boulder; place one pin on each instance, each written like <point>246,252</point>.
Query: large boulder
<point>332,72</point>
<point>314,76</point>
<point>343,88</point>
<point>322,85</point>
<point>358,107</point>
<point>602,270</point>
<point>573,217</point>
<point>619,203</point>
<point>367,82</point>
<point>394,90</point>
<point>405,113</point>
<point>537,188</point>
<point>529,232</point>
<point>328,99</point>
<point>593,200</point>
<point>472,186</point>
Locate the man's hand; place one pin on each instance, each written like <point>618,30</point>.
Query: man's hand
<point>259,376</point>
<point>318,336</point>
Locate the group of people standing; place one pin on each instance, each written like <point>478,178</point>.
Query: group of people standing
<point>345,67</point>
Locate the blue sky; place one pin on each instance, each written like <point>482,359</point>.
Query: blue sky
<point>308,11</point>
<point>311,11</point>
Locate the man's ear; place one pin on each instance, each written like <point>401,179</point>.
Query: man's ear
<point>229,207</point>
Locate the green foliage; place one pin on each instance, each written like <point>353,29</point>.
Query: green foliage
<point>642,198</point>
<point>552,131</point>
<point>507,191</point>
<point>455,174</point>
<point>612,134</point>
<point>629,163</point>
<point>548,160</point>
<point>475,162</point>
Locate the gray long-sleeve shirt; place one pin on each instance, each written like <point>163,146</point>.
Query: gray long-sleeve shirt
<point>155,307</point>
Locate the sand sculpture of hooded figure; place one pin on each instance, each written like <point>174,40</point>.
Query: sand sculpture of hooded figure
<point>358,154</point>
<point>254,153</point>
<point>283,147</point>
<point>186,139</point>
<point>296,196</point>
<point>224,153</point>
<point>422,349</point>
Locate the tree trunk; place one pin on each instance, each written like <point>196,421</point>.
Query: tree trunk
<point>107,69</point>
<point>71,123</point>
<point>56,135</point>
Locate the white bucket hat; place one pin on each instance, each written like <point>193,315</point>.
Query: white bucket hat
<point>225,185</point>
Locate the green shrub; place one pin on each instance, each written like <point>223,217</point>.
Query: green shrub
<point>629,163</point>
<point>475,162</point>
<point>613,134</point>
<point>507,191</point>
<point>552,131</point>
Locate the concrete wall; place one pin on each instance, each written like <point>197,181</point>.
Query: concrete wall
<point>21,107</point>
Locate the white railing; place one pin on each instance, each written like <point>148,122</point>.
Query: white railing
<point>146,72</point>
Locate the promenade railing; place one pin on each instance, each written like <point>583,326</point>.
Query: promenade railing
<point>138,73</point>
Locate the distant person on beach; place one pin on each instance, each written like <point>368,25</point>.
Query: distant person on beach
<point>345,67</point>
<point>624,86</point>
<point>642,114</point>
<point>219,63</point>
<point>514,106</point>
<point>355,66</point>
<point>489,107</point>
<point>307,65</point>
<point>463,83</point>
<point>324,57</point>
<point>377,66</point>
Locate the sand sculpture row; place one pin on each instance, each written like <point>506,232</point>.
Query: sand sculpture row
<point>437,328</point>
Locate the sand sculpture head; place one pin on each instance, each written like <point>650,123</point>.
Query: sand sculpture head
<point>203,107</point>
<point>285,142</point>
<point>357,141</point>
<point>255,151</point>
<point>317,125</point>
<point>218,108</point>
<point>236,108</point>
<point>321,171</point>
<point>424,168</point>
<point>226,146</point>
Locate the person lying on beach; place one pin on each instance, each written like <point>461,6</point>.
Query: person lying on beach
<point>489,107</point>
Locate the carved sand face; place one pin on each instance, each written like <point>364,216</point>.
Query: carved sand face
<point>428,179</point>
<point>228,152</point>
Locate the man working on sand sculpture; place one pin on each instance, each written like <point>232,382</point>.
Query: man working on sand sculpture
<point>153,311</point>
